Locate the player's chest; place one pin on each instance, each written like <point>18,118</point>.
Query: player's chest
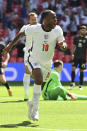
<point>81,43</point>
<point>46,38</point>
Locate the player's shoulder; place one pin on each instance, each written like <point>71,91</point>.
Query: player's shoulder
<point>77,36</point>
<point>54,73</point>
<point>57,28</point>
<point>34,26</point>
<point>23,28</point>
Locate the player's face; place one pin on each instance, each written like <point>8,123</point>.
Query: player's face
<point>33,20</point>
<point>83,32</point>
<point>51,20</point>
<point>60,68</point>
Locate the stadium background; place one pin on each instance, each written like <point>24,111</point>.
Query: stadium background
<point>13,15</point>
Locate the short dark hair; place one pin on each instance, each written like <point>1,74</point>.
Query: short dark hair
<point>44,14</point>
<point>83,27</point>
<point>57,63</point>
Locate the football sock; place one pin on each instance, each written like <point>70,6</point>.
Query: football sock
<point>6,85</point>
<point>80,97</point>
<point>81,78</point>
<point>36,96</point>
<point>73,75</point>
<point>26,82</point>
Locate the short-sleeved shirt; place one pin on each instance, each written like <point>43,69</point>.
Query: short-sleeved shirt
<point>28,40</point>
<point>43,43</point>
<point>81,45</point>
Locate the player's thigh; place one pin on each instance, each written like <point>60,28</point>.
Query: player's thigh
<point>2,78</point>
<point>35,69</point>
<point>64,90</point>
<point>46,69</point>
<point>53,93</point>
<point>61,92</point>
<point>37,75</point>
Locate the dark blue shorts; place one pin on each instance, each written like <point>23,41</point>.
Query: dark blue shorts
<point>79,62</point>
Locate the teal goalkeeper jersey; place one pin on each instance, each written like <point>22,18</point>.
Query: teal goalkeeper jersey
<point>52,82</point>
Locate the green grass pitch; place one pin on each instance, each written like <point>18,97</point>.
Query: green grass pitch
<point>54,115</point>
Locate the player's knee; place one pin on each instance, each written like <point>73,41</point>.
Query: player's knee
<point>3,81</point>
<point>39,81</point>
<point>27,70</point>
<point>74,68</point>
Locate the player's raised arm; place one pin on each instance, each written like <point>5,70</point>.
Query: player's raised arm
<point>13,43</point>
<point>61,40</point>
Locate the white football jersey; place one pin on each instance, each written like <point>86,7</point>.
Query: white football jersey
<point>28,42</point>
<point>43,43</point>
<point>24,27</point>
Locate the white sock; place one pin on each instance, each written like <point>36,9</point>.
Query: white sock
<point>36,96</point>
<point>26,82</point>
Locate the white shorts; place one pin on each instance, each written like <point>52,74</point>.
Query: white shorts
<point>45,67</point>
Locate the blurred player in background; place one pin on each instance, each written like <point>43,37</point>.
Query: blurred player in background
<point>53,88</point>
<point>3,65</point>
<point>79,55</point>
<point>43,38</point>
<point>26,80</point>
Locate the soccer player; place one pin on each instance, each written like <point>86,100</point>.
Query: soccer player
<point>43,38</point>
<point>53,88</point>
<point>3,65</point>
<point>79,55</point>
<point>26,80</point>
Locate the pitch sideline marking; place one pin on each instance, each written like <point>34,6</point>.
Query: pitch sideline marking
<point>56,129</point>
<point>11,98</point>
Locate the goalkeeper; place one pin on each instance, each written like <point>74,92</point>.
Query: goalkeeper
<point>53,89</point>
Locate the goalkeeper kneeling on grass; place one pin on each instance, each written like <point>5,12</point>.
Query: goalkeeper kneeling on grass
<point>53,89</point>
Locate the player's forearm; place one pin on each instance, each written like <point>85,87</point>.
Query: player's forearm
<point>14,42</point>
<point>7,58</point>
<point>73,49</point>
<point>4,64</point>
